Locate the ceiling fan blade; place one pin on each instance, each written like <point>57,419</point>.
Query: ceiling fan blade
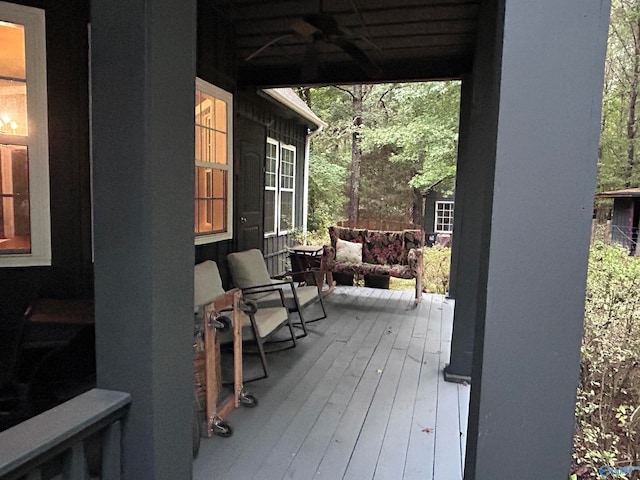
<point>367,65</point>
<point>303,28</point>
<point>325,24</point>
<point>266,45</point>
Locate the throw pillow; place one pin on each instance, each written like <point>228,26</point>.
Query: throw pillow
<point>350,252</point>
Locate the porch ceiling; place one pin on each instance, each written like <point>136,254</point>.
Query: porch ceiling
<point>407,39</point>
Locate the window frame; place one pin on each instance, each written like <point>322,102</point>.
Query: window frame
<point>37,139</point>
<point>437,216</point>
<point>274,231</point>
<point>278,189</point>
<point>217,92</point>
<point>291,190</point>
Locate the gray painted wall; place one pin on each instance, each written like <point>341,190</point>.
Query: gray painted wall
<point>537,104</point>
<point>142,92</point>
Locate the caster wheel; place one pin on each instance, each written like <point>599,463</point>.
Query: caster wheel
<point>225,321</point>
<point>248,401</point>
<point>222,429</point>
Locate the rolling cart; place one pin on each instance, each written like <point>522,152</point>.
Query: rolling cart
<point>221,314</point>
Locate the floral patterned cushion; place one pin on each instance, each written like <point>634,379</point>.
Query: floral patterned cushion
<point>382,248</point>
<point>398,271</point>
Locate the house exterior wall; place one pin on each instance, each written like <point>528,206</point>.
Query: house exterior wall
<point>67,44</point>
<point>430,209</point>
<point>70,274</point>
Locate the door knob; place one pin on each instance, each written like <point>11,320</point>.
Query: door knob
<point>243,219</point>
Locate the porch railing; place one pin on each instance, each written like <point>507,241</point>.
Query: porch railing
<point>73,441</point>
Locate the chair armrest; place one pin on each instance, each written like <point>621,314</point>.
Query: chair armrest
<point>269,288</point>
<point>309,275</point>
<point>414,259</point>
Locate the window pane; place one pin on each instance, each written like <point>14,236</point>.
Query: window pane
<point>221,148</point>
<point>270,178</point>
<point>269,211</point>
<point>211,203</point>
<point>287,158</point>
<point>13,84</point>
<point>286,210</point>
<point>12,53</point>
<point>204,127</point>
<point>219,216</point>
<point>15,225</point>
<point>198,143</point>
<point>221,115</point>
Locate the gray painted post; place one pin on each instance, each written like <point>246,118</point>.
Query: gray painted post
<point>539,91</point>
<point>463,134</point>
<point>143,71</point>
<point>466,245</point>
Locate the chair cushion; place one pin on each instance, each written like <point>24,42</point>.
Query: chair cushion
<point>248,269</point>
<point>267,320</point>
<point>207,283</point>
<point>350,252</point>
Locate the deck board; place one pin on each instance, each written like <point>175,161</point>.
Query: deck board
<point>361,397</point>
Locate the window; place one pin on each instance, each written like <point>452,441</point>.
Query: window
<point>279,184</point>
<point>25,238</point>
<point>213,162</point>
<point>271,186</point>
<point>444,217</point>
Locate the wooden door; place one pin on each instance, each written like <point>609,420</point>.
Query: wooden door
<point>251,139</point>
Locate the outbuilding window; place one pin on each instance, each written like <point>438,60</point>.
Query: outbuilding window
<point>444,217</point>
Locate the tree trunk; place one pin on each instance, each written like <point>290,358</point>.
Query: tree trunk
<point>305,94</point>
<point>356,157</point>
<point>417,208</point>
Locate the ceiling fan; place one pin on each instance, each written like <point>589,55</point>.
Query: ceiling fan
<point>323,27</point>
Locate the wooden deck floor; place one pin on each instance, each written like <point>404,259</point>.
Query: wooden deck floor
<point>361,398</point>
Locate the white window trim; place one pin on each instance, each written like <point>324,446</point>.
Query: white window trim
<point>435,223</point>
<point>276,214</point>
<point>291,148</point>
<point>37,141</point>
<point>278,188</point>
<point>201,239</point>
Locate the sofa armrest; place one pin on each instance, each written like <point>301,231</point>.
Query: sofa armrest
<point>414,258</point>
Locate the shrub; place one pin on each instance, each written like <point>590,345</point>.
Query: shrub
<point>435,277</point>
<point>437,262</point>
<point>608,406</point>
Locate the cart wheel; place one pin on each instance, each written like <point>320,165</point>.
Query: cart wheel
<point>222,429</point>
<point>248,401</point>
<point>225,321</point>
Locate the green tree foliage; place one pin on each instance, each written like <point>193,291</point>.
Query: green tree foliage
<point>408,135</point>
<point>619,128</point>
<point>418,124</point>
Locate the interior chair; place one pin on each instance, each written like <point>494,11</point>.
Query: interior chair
<point>249,272</point>
<point>258,324</point>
